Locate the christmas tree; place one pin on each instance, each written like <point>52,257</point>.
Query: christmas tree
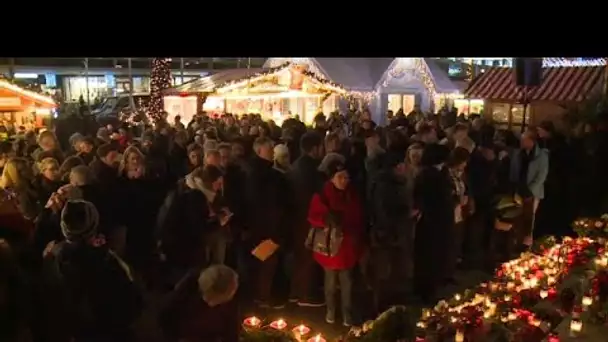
<point>160,79</point>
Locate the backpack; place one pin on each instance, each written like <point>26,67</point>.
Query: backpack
<point>75,301</point>
<point>86,305</point>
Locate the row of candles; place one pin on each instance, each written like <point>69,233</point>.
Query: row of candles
<point>300,332</point>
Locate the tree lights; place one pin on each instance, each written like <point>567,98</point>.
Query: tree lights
<point>160,79</point>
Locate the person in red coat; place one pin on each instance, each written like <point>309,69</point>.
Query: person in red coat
<point>340,200</point>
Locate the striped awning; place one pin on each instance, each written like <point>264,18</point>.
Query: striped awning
<point>559,84</point>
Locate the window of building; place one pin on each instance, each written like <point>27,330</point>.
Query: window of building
<point>517,115</point>
<point>409,101</point>
<point>177,80</point>
<point>77,86</point>
<point>500,113</point>
<point>394,102</point>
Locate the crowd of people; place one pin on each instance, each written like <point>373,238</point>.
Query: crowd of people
<point>88,229</point>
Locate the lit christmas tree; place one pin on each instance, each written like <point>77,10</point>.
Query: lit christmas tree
<point>160,79</point>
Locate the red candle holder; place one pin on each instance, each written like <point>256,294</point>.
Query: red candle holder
<point>279,324</point>
<point>301,330</point>
<point>252,322</point>
<point>317,338</point>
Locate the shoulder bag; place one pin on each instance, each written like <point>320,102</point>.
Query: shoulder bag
<point>328,239</point>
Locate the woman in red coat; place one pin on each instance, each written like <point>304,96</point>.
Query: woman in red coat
<point>339,200</point>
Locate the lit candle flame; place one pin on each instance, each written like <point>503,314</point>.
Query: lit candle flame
<point>459,336</point>
<point>317,338</point>
<point>576,326</point>
<point>252,321</point>
<point>301,330</point>
<point>587,301</point>
<point>279,324</point>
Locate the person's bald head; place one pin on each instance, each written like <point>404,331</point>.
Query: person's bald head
<point>528,139</point>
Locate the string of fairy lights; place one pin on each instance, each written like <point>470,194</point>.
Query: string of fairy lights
<point>160,79</point>
<point>416,67</point>
<point>27,93</point>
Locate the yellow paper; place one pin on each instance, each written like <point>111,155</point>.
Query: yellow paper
<point>265,249</point>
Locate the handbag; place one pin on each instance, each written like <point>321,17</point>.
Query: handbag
<point>327,240</point>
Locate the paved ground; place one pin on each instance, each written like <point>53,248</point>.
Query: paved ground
<point>294,315</point>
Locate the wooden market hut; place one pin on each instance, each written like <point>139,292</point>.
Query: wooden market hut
<point>272,92</point>
<point>561,89</point>
<point>385,83</point>
<point>23,107</point>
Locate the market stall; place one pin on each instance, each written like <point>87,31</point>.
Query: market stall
<point>562,88</point>
<point>22,107</point>
<point>275,93</point>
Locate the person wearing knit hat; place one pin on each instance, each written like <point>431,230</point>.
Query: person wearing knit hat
<point>334,167</point>
<point>79,220</point>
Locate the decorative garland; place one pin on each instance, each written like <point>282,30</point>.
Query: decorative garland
<point>229,85</point>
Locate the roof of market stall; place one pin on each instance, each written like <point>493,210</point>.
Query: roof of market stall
<point>236,78</point>
<point>559,84</point>
<point>31,95</point>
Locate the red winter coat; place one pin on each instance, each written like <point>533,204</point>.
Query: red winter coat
<point>348,204</point>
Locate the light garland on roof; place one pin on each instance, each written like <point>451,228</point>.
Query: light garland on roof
<point>553,62</point>
<point>420,69</point>
<point>366,96</point>
<point>565,62</point>
<point>27,93</point>
<point>231,85</point>
<point>276,62</point>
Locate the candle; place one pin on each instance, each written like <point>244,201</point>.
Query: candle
<point>492,309</point>
<point>587,301</point>
<point>317,338</point>
<point>457,297</point>
<point>459,336</point>
<point>533,282</point>
<point>301,330</point>
<point>426,313</point>
<point>575,327</point>
<point>253,322</point>
<point>544,294</point>
<point>279,324</point>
